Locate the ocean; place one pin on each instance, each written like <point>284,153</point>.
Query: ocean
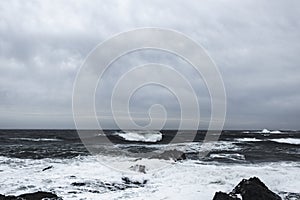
<point>129,166</point>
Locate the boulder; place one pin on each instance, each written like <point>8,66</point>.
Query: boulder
<point>224,196</point>
<point>253,189</point>
<point>139,168</point>
<point>129,182</point>
<point>39,195</point>
<point>249,189</point>
<point>32,196</point>
<point>50,167</point>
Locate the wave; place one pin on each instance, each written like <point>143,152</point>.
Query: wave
<point>246,132</point>
<point>287,140</point>
<point>266,131</point>
<point>37,139</point>
<point>234,156</point>
<point>141,136</point>
<point>275,132</point>
<point>248,140</point>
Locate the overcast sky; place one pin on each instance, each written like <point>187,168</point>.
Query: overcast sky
<point>255,44</point>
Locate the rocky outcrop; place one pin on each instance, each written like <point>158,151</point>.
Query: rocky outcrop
<point>32,196</point>
<point>224,196</point>
<point>249,189</point>
<point>126,183</point>
<point>139,168</point>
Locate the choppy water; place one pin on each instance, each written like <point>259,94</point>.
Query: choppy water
<point>274,157</point>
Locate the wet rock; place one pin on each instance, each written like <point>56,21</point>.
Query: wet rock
<point>224,196</point>
<point>3,197</point>
<point>39,195</point>
<point>139,168</point>
<point>249,189</point>
<point>50,167</point>
<point>253,189</point>
<point>32,196</point>
<point>78,184</point>
<point>129,182</point>
<point>112,186</point>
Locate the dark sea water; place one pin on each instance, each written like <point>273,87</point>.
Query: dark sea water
<point>232,146</point>
<point>274,156</point>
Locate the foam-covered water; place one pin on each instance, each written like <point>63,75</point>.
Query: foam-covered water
<point>58,162</point>
<point>180,180</point>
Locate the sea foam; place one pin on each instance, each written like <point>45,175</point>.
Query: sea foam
<point>141,136</point>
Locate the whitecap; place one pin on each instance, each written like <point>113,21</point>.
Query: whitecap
<point>265,131</point>
<point>37,139</point>
<point>246,132</point>
<point>274,132</point>
<point>234,156</point>
<point>287,140</point>
<point>141,136</point>
<point>248,139</point>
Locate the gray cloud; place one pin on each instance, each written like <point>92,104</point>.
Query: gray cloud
<point>255,44</point>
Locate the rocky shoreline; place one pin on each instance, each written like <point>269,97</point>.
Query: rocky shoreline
<point>126,183</point>
<point>248,189</point>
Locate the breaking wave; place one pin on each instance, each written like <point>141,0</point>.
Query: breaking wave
<point>141,136</point>
<point>287,140</point>
<point>37,139</point>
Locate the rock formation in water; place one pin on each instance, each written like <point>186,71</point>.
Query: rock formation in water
<point>32,196</point>
<point>251,189</point>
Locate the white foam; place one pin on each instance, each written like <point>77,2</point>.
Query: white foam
<point>36,139</point>
<point>265,131</point>
<point>182,180</point>
<point>287,140</point>
<point>248,139</point>
<point>141,136</point>
<point>274,132</point>
<point>246,131</point>
<point>233,156</point>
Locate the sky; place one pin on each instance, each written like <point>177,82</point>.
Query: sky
<point>254,43</point>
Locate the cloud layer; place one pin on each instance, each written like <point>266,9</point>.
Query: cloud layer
<point>255,44</point>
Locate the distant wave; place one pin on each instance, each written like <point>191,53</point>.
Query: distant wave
<point>37,139</point>
<point>141,136</point>
<point>268,131</point>
<point>287,140</point>
<point>275,132</point>
<point>234,156</point>
<point>248,140</point>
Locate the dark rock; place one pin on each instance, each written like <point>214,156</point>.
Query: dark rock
<point>139,168</point>
<point>251,189</point>
<point>50,167</point>
<point>3,197</point>
<point>39,196</point>
<point>78,184</point>
<point>127,181</point>
<point>171,154</point>
<point>93,191</point>
<point>32,196</point>
<point>112,186</point>
<point>224,196</point>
